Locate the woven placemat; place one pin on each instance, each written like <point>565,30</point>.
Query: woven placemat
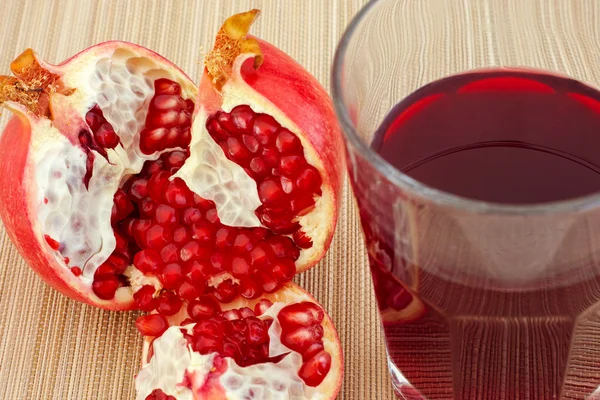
<point>54,348</point>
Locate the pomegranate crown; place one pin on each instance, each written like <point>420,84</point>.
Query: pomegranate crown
<point>232,41</point>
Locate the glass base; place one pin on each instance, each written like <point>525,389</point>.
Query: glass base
<point>403,389</point>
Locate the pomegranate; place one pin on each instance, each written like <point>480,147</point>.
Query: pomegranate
<point>124,187</point>
<point>280,346</point>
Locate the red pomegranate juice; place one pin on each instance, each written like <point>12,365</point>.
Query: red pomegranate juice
<point>502,136</point>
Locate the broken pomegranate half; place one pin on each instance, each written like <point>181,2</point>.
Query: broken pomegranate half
<point>124,187</point>
<point>282,346</point>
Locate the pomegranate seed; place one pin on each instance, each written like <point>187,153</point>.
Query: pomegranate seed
<point>169,253</point>
<point>166,215</point>
<point>168,304</point>
<point>167,102</point>
<point>147,208</point>
<point>312,351</point>
<point>157,184</point>
<point>287,142</point>
<point>158,236</point>
<point>237,151</point>
<point>138,190</point>
<point>225,292</point>
<point>301,338</point>
<point>286,184</point>
<point>139,229</point>
<point>105,271</point>
<point>270,193</point>
<point>54,245</point>
<point>203,308</point>
<point>193,250</point>
<point>231,315</point>
<point>119,262</point>
<point>239,266</point>
<point>242,117</point>
<point>270,157</point>
<point>206,345</point>
<point>246,312</point>
<point>224,238</point>
<point>151,140</point>
<point>226,122</point>
<point>148,261</point>
<point>302,205</point>
<point>191,215</point>
<point>316,369</point>
<point>106,288</point>
<point>309,181</point>
<point>269,284</point>
<point>106,137</point>
<point>258,168</point>
<point>171,276</point>
<point>203,203</point>
<point>122,206</point>
<point>257,331</point>
<point>243,243</point>
<point>262,306</point>
<point>187,291</point>
<point>181,235</point>
<point>282,246</point>
<point>250,289</point>
<point>175,159</point>
<point>251,143</point>
<point>151,325</point>
<point>302,240</point>
<point>261,233</point>
<point>76,271</point>
<point>265,128</point>
<point>204,232</point>
<point>215,129</point>
<point>158,394</point>
<point>300,314</point>
<point>220,262</point>
<point>284,270</point>
<point>152,167</point>
<point>278,223</point>
<point>290,165</point>
<point>166,86</point>
<point>144,298</point>
<point>94,118</point>
<point>126,226</point>
<point>177,194</point>
<point>212,216</point>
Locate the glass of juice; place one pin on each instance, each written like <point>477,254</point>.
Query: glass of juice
<point>472,131</point>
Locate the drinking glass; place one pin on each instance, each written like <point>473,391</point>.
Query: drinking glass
<point>478,300</point>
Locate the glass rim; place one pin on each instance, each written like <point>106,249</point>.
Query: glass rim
<point>422,190</point>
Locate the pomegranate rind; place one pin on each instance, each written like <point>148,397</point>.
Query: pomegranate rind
<point>288,294</point>
<point>24,134</point>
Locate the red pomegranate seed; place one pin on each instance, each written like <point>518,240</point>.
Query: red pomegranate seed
<point>290,165</point>
<point>250,289</point>
<point>300,314</point>
<point>271,157</point>
<point>144,298</point>
<point>166,215</point>
<point>239,266</point>
<point>301,338</point>
<point>309,181</point>
<point>106,137</point>
<point>76,271</point>
<point>105,271</point>
<point>191,215</point>
<point>197,271</point>
<point>175,159</point>
<point>220,262</point>
<point>225,292</point>
<point>181,235</point>
<point>226,122</point>
<point>171,276</point>
<point>251,143</point>
<point>269,284</point>
<point>177,194</point>
<point>122,206</point>
<point>167,102</point>
<point>54,245</point>
<point>258,168</point>
<point>265,128</point>
<point>215,129</point>
<point>302,205</point>
<point>243,242</point>
<point>312,351</point>
<point>106,288</point>
<point>286,184</point>
<point>139,229</point>
<point>231,315</point>
<point>316,369</point>
<point>212,216</point>
<point>204,232</point>
<point>246,312</point>
<point>168,304</point>
<point>187,291</point>
<point>147,208</point>
<point>158,236</point>
<point>242,117</point>
<point>94,118</point>
<point>166,86</point>
<point>148,261</point>
<point>208,328</point>
<point>287,142</point>
<point>224,238</point>
<point>281,245</point>
<point>193,250</point>
<point>257,331</point>
<point>278,222</point>
<point>203,308</point>
<point>157,185</point>
<point>121,242</point>
<point>261,233</point>
<point>151,325</point>
<point>284,270</point>
<point>138,190</point>
<point>158,394</point>
<point>119,262</point>
<point>270,193</point>
<point>262,306</point>
<point>151,140</point>
<point>152,167</point>
<point>169,254</point>
<point>237,151</point>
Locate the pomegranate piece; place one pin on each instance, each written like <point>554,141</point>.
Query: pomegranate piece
<point>315,370</point>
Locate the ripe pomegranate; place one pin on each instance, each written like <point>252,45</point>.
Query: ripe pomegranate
<point>280,346</point>
<point>122,193</point>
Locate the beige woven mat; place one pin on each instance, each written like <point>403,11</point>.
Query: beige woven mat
<point>54,348</point>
